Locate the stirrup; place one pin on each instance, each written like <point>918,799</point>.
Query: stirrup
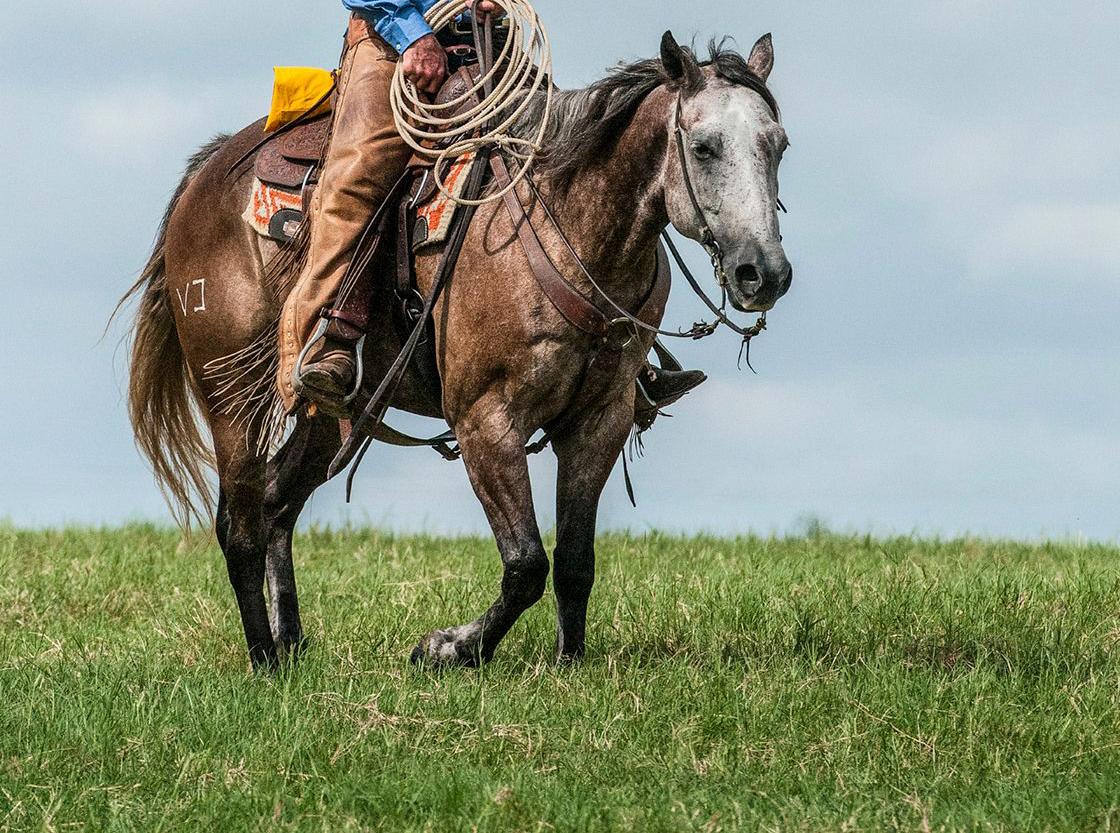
<point>320,334</point>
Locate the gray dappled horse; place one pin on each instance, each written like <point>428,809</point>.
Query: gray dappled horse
<point>509,363</point>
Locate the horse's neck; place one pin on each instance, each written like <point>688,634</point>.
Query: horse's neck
<point>614,209</point>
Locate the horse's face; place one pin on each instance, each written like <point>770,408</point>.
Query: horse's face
<point>733,145</point>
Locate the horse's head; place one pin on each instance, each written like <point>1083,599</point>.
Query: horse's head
<point>727,124</point>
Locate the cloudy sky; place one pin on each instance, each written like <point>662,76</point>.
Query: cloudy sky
<point>946,361</point>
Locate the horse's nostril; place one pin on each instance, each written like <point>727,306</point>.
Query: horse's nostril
<point>748,276</point>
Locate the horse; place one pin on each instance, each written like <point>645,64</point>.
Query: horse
<point>669,140</point>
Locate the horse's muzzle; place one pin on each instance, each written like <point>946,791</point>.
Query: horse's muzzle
<point>760,281</point>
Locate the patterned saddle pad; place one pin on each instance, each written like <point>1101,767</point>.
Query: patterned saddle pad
<point>276,211</point>
<point>435,209</point>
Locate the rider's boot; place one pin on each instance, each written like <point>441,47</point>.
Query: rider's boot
<point>329,372</point>
<point>663,387</point>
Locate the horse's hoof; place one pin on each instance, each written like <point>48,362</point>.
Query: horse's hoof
<point>443,649</point>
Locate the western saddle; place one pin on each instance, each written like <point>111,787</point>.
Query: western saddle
<point>291,160</point>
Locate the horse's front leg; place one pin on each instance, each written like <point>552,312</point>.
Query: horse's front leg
<point>586,456</point>
<point>494,454</point>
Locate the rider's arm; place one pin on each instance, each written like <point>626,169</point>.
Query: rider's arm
<point>400,22</point>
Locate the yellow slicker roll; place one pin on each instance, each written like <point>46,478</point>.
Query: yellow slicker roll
<point>295,91</point>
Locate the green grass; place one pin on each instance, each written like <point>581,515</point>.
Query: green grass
<point>820,684</point>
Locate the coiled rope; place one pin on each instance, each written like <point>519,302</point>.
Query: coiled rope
<point>506,90</point>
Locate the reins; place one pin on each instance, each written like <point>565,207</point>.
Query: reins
<point>700,329</point>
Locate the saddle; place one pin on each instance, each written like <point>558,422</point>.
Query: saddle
<point>292,159</point>
<point>286,170</point>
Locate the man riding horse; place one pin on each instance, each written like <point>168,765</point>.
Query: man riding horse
<point>365,158</point>
<point>522,342</point>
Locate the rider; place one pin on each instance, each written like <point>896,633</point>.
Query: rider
<point>365,158</point>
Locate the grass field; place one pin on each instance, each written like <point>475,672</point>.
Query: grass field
<point>827,683</point>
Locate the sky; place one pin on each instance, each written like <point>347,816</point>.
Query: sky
<point>946,362</point>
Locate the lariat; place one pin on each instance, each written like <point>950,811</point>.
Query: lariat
<point>484,115</point>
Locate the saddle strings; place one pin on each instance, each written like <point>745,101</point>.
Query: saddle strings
<point>506,90</point>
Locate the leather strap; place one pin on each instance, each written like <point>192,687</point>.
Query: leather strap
<point>378,403</point>
<point>653,307</point>
<point>404,280</point>
<point>344,326</point>
<point>601,370</point>
<point>707,239</point>
<point>576,309</point>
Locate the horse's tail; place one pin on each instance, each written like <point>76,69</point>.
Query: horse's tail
<point>161,397</point>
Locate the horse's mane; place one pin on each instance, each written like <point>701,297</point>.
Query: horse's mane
<point>585,123</point>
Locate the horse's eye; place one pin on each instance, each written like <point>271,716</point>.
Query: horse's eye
<point>703,151</point>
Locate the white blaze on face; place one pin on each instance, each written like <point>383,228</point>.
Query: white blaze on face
<point>733,147</point>
<point>726,143</point>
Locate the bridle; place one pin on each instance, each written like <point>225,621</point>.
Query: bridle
<point>700,329</point>
<point>707,237</point>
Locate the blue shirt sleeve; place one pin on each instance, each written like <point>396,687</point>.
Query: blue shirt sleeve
<point>400,22</point>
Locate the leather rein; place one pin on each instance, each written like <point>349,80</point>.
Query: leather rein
<point>700,329</point>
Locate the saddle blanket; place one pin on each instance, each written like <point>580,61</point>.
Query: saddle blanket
<point>273,212</point>
<point>434,215</point>
<point>277,212</point>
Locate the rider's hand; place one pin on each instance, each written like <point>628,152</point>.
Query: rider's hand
<point>425,64</point>
<point>484,7</point>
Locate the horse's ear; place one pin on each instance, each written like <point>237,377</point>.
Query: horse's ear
<point>679,63</point>
<point>761,60</point>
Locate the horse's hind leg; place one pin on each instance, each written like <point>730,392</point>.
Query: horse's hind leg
<point>297,470</point>
<point>241,534</point>
<point>494,453</point>
<point>586,457</point>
